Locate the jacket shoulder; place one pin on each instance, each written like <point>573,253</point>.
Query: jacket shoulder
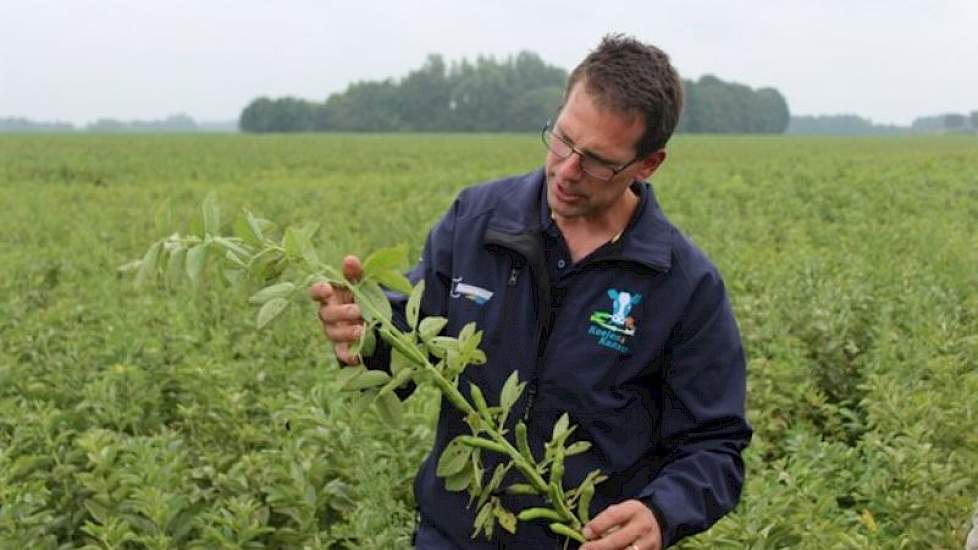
<point>513,197</point>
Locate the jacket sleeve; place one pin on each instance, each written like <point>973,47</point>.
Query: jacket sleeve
<point>435,267</point>
<point>703,426</point>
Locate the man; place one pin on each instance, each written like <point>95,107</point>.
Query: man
<point>587,290</point>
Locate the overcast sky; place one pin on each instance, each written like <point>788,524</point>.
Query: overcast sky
<point>77,60</point>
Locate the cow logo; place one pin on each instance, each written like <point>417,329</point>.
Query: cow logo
<point>614,328</point>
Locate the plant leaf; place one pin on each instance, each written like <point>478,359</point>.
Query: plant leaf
<point>174,266</point>
<point>375,302</point>
<point>560,427</point>
<point>149,264</point>
<point>390,408</point>
<point>394,280</point>
<point>431,327</point>
<point>506,518</point>
<point>512,389</point>
<point>196,259</point>
<point>212,214</point>
<point>272,309</point>
<point>364,379</point>
<point>578,448</point>
<point>386,259</point>
<point>414,304</point>
<point>280,290</point>
<point>233,247</point>
<point>453,459</point>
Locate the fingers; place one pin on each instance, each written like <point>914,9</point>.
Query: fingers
<point>341,318</point>
<point>343,333</point>
<point>341,313</point>
<point>621,525</point>
<point>325,293</point>
<point>321,292</point>
<point>342,351</point>
<point>612,516</point>
<point>352,268</point>
<point>618,539</point>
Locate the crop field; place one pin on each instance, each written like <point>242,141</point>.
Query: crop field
<point>159,417</point>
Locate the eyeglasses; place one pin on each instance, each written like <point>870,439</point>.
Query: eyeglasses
<point>596,168</point>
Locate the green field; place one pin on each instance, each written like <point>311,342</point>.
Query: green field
<point>160,418</point>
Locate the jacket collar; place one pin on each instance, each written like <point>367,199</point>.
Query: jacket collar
<point>647,240</point>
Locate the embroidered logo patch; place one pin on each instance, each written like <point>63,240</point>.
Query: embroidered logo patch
<point>614,328</point>
<point>477,294</point>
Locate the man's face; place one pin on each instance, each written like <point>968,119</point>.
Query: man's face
<point>605,135</point>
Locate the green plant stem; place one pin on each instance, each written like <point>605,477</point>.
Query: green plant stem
<point>456,398</point>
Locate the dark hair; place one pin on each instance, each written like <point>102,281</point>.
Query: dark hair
<point>628,76</point>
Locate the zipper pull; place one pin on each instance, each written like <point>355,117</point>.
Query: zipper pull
<point>531,394</point>
<point>513,274</point>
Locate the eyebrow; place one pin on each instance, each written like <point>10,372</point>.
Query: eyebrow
<point>587,152</point>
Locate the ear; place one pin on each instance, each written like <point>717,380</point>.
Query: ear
<point>648,165</point>
<point>636,299</point>
<point>613,294</point>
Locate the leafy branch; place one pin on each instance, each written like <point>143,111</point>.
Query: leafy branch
<point>286,262</point>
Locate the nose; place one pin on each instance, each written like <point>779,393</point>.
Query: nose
<point>569,168</point>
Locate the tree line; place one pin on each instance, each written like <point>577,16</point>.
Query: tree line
<point>849,124</point>
<point>517,94</point>
<point>178,123</point>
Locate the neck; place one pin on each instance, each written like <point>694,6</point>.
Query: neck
<point>610,223</point>
<point>584,234</point>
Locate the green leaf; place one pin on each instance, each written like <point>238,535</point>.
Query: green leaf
<point>390,408</point>
<point>258,226</point>
<point>506,518</point>
<point>386,259</point>
<point>367,344</point>
<point>453,459</point>
<point>374,304</point>
<point>233,247</point>
<point>308,251</point>
<point>196,259</point>
<point>578,448</point>
<point>174,266</point>
<point>272,309</point>
<point>363,401</point>
<point>461,480</point>
<point>512,389</point>
<point>280,290</point>
<point>560,428</point>
<point>497,478</point>
<point>484,521</point>
<point>467,331</point>
<point>242,230</point>
<point>149,264</point>
<point>399,379</point>
<point>348,373</point>
<point>394,280</point>
<point>439,345</point>
<point>470,340</point>
<point>212,214</point>
<point>400,363</point>
<point>364,379</point>
<point>414,304</point>
<point>292,242</point>
<point>431,327</point>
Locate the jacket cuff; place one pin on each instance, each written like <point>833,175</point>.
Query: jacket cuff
<point>660,518</point>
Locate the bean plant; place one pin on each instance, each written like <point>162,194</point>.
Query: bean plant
<point>285,263</point>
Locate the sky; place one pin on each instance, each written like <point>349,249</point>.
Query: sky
<point>79,60</point>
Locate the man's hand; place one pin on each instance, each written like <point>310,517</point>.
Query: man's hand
<point>629,525</point>
<point>341,318</point>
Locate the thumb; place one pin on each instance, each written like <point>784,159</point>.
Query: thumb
<point>352,268</point>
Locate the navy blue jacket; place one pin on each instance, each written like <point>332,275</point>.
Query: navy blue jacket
<point>642,351</point>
